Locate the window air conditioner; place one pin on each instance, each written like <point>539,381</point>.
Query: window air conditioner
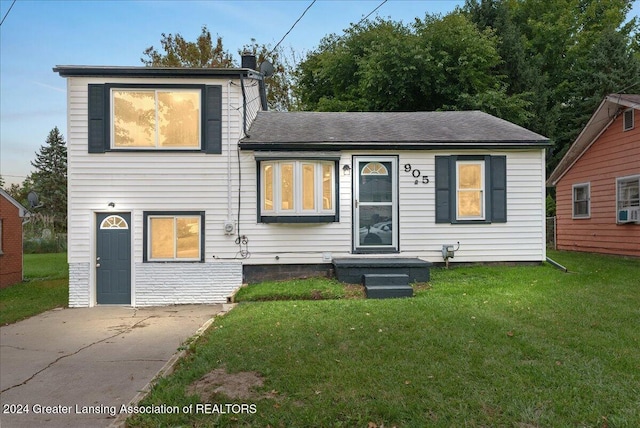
<point>629,215</point>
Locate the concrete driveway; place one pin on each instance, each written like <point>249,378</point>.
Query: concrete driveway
<point>78,367</point>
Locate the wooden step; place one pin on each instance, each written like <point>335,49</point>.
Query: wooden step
<point>385,279</point>
<point>388,291</point>
<point>386,285</point>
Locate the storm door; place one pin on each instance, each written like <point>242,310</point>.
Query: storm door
<point>375,204</point>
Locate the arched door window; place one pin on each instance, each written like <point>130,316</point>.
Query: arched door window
<point>374,168</point>
<point>114,222</point>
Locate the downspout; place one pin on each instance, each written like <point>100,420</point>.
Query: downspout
<point>242,239</point>
<point>244,106</point>
<point>27,219</point>
<point>229,213</point>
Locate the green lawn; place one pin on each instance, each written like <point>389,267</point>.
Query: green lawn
<point>297,289</point>
<point>46,287</point>
<point>483,346</point>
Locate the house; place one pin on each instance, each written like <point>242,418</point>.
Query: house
<point>11,220</point>
<point>182,186</point>
<point>598,180</point>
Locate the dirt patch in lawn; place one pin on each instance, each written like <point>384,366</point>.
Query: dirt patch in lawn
<point>233,385</point>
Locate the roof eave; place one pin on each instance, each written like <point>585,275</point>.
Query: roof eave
<point>99,71</point>
<point>581,143</point>
<point>22,211</point>
<point>392,145</point>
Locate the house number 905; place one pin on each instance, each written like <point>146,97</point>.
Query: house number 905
<point>415,173</point>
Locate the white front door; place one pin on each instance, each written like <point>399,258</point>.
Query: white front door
<point>375,204</point>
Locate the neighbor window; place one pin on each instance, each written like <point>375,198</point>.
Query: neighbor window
<point>628,199</point>
<point>292,188</point>
<point>155,118</point>
<point>581,200</point>
<point>628,120</point>
<point>470,190</point>
<point>174,236</point>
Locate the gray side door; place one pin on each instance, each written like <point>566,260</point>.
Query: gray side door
<point>113,258</point>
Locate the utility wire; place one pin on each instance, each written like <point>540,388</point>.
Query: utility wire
<point>363,19</point>
<point>371,13</point>
<point>7,14</point>
<point>294,24</point>
<point>305,11</point>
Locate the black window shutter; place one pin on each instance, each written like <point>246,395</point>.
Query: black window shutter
<point>498,189</point>
<point>97,141</point>
<point>443,189</point>
<point>213,120</point>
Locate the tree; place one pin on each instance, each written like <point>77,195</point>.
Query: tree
<point>563,56</point>
<point>180,53</point>
<point>374,66</point>
<point>278,85</point>
<point>50,178</point>
<point>436,63</point>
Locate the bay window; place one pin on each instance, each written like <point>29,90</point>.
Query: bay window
<point>297,190</point>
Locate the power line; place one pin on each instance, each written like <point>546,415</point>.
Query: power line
<point>371,13</point>
<point>7,14</point>
<point>363,19</point>
<point>294,24</point>
<point>305,11</point>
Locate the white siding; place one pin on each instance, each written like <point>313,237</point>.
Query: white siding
<point>153,181</point>
<point>521,238</point>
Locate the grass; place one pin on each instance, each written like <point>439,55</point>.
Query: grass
<point>483,346</point>
<point>46,287</point>
<point>298,289</point>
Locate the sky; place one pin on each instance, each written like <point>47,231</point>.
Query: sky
<point>37,35</point>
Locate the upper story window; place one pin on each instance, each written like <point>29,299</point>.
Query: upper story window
<point>581,200</point>
<point>298,191</point>
<point>155,118</point>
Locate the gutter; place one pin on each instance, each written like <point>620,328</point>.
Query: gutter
<point>384,145</point>
<point>104,71</point>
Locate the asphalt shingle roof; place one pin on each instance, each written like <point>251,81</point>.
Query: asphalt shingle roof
<point>343,130</point>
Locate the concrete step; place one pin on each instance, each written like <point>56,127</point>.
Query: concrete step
<point>385,279</point>
<point>388,291</point>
